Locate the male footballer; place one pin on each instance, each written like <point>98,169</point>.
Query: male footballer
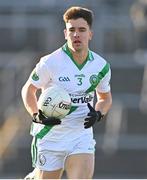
<point>68,144</point>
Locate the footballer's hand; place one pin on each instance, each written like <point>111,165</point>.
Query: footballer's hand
<point>93,116</point>
<point>42,119</point>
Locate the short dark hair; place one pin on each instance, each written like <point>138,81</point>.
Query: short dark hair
<point>76,12</point>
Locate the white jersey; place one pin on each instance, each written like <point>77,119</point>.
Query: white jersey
<point>80,81</point>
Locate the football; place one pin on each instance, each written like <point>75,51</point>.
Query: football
<point>54,102</point>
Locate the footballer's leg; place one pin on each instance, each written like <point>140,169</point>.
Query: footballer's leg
<point>39,174</point>
<point>80,166</point>
<point>48,162</point>
<point>79,163</point>
<point>31,175</point>
<point>57,174</point>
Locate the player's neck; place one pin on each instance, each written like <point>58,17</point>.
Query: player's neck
<point>80,56</point>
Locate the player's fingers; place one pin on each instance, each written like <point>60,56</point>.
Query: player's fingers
<point>87,119</point>
<point>40,112</point>
<point>87,125</point>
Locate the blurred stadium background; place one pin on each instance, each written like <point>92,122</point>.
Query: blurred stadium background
<point>32,28</point>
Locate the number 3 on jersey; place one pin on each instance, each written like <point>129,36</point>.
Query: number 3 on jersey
<point>79,81</point>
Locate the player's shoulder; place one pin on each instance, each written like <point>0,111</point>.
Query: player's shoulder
<point>54,55</point>
<point>98,58</point>
<point>100,61</point>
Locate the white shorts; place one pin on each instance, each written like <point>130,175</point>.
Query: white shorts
<point>50,156</point>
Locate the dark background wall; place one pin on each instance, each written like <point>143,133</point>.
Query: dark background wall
<point>32,28</point>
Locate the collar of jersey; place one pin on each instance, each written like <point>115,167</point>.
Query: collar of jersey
<point>79,66</point>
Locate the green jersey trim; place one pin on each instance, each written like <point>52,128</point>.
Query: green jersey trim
<point>44,131</point>
<point>100,76</point>
<point>72,109</point>
<point>79,66</point>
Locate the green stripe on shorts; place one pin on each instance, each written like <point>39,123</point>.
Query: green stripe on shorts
<point>34,151</point>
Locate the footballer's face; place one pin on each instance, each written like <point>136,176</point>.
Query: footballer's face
<point>78,34</point>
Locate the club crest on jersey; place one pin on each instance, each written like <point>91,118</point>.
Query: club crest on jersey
<point>64,79</point>
<point>42,159</point>
<point>35,77</point>
<point>94,79</point>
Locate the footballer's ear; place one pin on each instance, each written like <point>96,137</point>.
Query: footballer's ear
<point>65,34</point>
<point>90,34</point>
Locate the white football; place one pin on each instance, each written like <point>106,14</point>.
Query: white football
<point>55,102</point>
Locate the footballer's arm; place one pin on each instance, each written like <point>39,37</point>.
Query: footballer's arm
<point>104,102</point>
<point>29,98</point>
